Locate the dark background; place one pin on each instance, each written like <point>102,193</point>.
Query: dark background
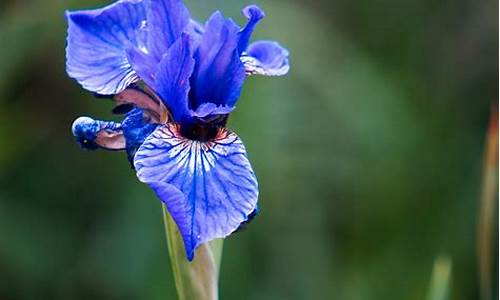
<point>369,156</point>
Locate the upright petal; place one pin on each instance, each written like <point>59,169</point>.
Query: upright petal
<point>219,73</point>
<point>195,27</point>
<point>254,14</point>
<point>172,77</point>
<point>266,58</point>
<point>144,64</point>
<point>97,42</point>
<point>166,21</point>
<point>195,30</point>
<point>209,187</point>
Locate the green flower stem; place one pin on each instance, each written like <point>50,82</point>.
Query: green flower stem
<point>487,208</point>
<point>198,279</point>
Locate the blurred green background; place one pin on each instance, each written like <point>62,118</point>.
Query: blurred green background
<point>369,156</point>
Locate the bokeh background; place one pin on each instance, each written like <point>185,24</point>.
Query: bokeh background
<point>369,156</point>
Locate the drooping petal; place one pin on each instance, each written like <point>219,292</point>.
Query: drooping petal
<point>97,42</point>
<point>166,20</point>
<point>137,125</point>
<point>172,77</point>
<point>93,134</point>
<point>209,187</point>
<point>251,217</point>
<point>266,58</point>
<point>128,135</point>
<point>254,14</point>
<point>219,73</point>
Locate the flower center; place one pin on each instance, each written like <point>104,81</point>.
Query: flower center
<point>199,132</point>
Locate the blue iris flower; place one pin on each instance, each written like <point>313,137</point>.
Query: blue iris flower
<point>176,81</point>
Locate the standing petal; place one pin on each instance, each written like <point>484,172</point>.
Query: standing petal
<point>144,64</point>
<point>166,21</point>
<point>266,58</point>
<point>254,14</point>
<point>219,73</point>
<point>172,77</point>
<point>195,28</point>
<point>97,42</point>
<point>209,187</point>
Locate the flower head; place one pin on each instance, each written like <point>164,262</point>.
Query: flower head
<point>176,81</point>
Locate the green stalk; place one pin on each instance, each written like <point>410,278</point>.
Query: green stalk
<point>487,209</point>
<point>198,279</point>
<point>440,281</point>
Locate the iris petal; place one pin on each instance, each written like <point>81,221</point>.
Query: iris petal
<point>195,30</point>
<point>219,73</point>
<point>172,78</point>
<point>208,109</point>
<point>144,65</point>
<point>128,135</point>
<point>97,42</point>
<point>93,134</point>
<point>166,21</point>
<point>209,187</point>
<point>136,97</point>
<point>254,14</point>
<point>266,58</point>
<point>136,127</point>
